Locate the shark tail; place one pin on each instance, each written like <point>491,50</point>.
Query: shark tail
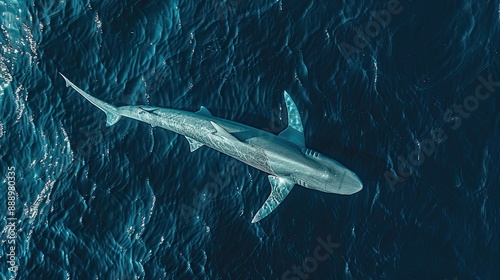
<point>112,114</point>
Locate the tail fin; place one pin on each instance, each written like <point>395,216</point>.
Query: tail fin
<point>112,115</point>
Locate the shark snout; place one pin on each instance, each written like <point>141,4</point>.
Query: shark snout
<point>352,183</point>
<point>347,183</point>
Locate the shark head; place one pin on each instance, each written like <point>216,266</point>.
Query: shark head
<point>349,183</point>
<point>326,175</point>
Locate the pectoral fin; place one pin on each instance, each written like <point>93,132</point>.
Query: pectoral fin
<point>293,135</point>
<point>294,132</point>
<point>293,113</point>
<point>280,188</point>
<point>193,144</point>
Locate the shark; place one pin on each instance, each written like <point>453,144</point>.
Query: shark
<point>284,157</point>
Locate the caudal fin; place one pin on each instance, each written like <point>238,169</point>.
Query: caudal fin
<point>112,115</point>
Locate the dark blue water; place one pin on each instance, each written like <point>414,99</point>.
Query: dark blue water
<point>403,93</point>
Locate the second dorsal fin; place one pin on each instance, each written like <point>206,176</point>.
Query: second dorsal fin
<point>204,111</point>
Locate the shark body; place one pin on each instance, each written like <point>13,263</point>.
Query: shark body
<point>284,157</point>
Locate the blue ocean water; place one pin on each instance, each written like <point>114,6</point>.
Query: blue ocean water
<point>404,93</point>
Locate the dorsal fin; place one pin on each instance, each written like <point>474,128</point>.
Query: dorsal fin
<point>280,188</point>
<point>294,132</point>
<point>204,111</point>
